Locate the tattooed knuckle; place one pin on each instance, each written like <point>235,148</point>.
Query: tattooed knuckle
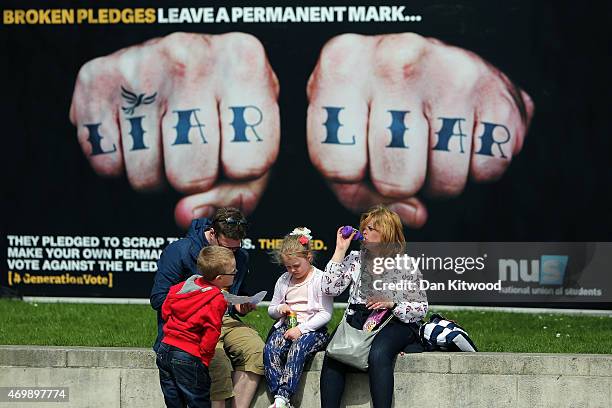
<point>186,41</point>
<point>397,57</point>
<point>243,41</point>
<point>186,183</point>
<point>184,48</point>
<point>466,73</point>
<point>450,185</point>
<point>242,53</point>
<point>403,40</point>
<point>395,52</point>
<point>246,171</point>
<point>179,37</point>
<point>390,189</point>
<point>340,56</point>
<point>485,170</point>
<point>143,181</point>
<point>108,166</point>
<point>128,65</point>
<point>91,69</point>
<point>341,45</point>
<point>505,111</point>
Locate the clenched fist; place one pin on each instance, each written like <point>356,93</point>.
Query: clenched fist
<point>199,111</point>
<point>392,115</point>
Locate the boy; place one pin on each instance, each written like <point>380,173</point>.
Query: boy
<point>193,313</point>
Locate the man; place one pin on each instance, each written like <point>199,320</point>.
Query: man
<point>237,366</point>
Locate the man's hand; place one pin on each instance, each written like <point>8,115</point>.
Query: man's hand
<point>199,111</point>
<point>292,334</point>
<point>395,114</point>
<point>283,309</point>
<point>245,308</point>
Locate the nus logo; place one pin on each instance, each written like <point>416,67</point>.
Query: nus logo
<point>548,270</point>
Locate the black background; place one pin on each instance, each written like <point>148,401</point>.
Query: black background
<point>556,189</point>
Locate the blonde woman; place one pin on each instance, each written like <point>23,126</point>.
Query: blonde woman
<point>379,226</point>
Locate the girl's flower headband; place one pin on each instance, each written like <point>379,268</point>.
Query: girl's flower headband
<point>304,234</point>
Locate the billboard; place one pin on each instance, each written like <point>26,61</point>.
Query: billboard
<point>122,123</point>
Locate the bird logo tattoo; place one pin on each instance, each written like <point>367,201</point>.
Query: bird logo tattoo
<point>135,101</point>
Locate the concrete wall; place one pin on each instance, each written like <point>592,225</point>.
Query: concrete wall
<point>127,378</point>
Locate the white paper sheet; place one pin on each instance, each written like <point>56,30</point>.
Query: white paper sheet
<point>238,300</point>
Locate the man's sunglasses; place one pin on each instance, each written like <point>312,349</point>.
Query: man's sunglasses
<point>234,221</point>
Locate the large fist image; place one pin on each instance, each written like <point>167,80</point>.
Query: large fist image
<point>392,115</point>
<point>196,111</point>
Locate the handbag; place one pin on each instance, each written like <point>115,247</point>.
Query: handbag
<point>352,346</point>
<point>441,334</point>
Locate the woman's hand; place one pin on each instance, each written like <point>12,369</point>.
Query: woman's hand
<point>342,245</point>
<point>283,309</point>
<point>380,305</point>
<point>292,334</point>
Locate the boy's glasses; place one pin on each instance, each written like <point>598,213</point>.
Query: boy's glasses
<point>234,272</point>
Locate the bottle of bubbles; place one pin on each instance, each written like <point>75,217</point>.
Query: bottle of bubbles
<point>347,230</point>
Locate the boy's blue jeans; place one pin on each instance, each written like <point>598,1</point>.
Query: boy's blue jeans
<point>284,359</point>
<point>183,378</point>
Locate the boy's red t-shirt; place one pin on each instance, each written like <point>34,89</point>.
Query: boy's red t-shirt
<point>193,313</point>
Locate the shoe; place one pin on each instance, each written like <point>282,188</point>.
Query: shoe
<point>280,402</point>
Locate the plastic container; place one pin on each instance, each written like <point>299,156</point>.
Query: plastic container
<point>348,230</point>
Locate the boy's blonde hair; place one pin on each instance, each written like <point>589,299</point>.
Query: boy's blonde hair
<point>215,260</point>
<point>386,222</point>
<point>291,246</point>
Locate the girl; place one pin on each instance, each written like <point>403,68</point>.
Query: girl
<point>379,226</point>
<point>299,292</point>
